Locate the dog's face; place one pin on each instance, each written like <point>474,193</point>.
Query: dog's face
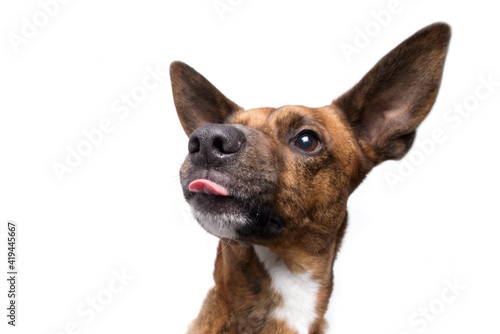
<point>285,169</point>
<point>283,175</point>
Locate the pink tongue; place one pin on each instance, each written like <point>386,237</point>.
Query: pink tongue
<point>208,187</point>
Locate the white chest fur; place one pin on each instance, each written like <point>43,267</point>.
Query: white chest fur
<point>298,291</point>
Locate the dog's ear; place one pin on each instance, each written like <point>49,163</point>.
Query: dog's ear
<point>197,101</point>
<point>391,100</point>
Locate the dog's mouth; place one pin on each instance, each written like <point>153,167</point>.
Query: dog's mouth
<point>204,186</point>
<point>223,213</point>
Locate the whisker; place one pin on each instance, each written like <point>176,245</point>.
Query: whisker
<point>228,242</point>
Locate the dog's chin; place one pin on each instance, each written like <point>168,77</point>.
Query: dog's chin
<point>222,225</point>
<point>225,217</point>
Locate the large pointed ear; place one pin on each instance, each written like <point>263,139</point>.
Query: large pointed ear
<point>197,101</point>
<point>391,100</point>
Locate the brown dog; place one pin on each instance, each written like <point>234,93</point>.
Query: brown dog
<point>273,183</point>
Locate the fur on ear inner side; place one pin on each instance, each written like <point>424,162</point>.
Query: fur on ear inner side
<point>392,99</point>
<point>198,102</point>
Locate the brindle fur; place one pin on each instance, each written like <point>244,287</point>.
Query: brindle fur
<point>373,122</point>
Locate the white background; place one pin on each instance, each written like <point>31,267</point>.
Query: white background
<point>122,208</point>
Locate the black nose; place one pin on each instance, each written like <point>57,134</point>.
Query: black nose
<point>213,144</point>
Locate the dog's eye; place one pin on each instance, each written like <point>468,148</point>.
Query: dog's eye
<point>307,141</point>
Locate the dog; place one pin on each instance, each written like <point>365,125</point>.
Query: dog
<point>273,183</point>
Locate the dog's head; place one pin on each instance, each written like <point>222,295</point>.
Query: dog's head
<point>284,174</point>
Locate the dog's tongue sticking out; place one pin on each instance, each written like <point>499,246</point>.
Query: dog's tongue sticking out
<point>208,187</point>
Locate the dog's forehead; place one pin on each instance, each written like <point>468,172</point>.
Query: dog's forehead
<point>253,118</point>
<point>327,120</point>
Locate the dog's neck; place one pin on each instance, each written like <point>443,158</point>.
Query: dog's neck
<point>259,290</point>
